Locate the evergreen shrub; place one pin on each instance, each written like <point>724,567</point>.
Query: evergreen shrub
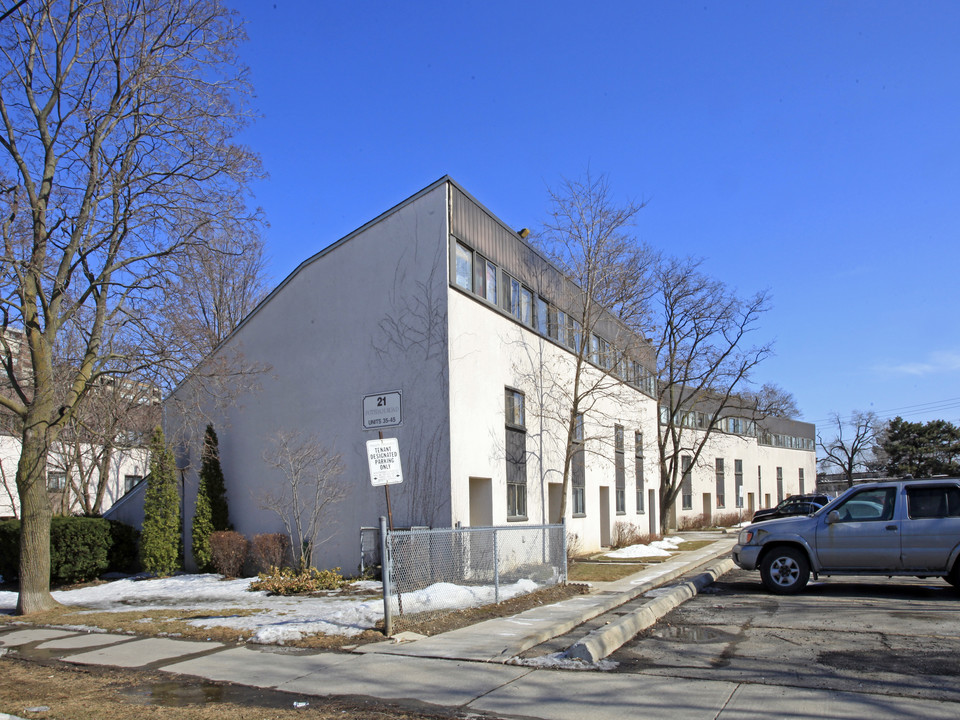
<point>79,549</point>
<point>9,549</point>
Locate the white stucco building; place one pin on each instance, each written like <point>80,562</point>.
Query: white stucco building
<point>441,302</point>
<point>71,469</point>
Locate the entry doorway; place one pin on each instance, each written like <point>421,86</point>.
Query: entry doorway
<point>707,509</point>
<point>652,511</point>
<point>604,516</point>
<point>554,496</point>
<point>481,502</point>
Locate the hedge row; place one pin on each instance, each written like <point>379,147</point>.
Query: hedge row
<point>81,548</point>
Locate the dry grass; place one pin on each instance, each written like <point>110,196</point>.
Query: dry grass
<point>73,693</point>
<point>601,571</point>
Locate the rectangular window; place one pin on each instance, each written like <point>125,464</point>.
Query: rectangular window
<point>515,298</point>
<point>620,470</point>
<point>554,322</point>
<point>513,408</point>
<point>801,481</point>
<point>933,502</point>
<point>595,349</point>
<point>721,484</point>
<point>738,481</point>
<point>479,275</point>
<point>491,283</point>
<point>464,267</point>
<point>516,446</point>
<point>638,456</point>
<point>686,484</point>
<point>779,485</point>
<point>130,482</point>
<point>540,313</point>
<point>526,306</point>
<point>56,481</point>
<point>578,470</point>
<point>573,334</point>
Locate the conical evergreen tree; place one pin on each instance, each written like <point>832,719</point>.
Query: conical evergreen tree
<point>211,513</point>
<point>160,539</point>
<point>212,476</point>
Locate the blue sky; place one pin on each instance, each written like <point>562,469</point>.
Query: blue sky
<point>808,148</point>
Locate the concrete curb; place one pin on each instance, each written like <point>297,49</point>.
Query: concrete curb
<point>603,641</point>
<point>615,600</point>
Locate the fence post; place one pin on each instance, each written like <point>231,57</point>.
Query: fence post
<point>496,568</point>
<point>385,562</point>
<point>563,547</point>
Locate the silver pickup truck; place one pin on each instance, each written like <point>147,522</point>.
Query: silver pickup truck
<point>904,527</point>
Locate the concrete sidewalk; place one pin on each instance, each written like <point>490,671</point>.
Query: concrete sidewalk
<point>434,671</point>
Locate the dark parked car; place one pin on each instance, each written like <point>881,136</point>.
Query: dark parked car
<point>793,505</point>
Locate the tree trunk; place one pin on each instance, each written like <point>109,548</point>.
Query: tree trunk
<point>35,514</point>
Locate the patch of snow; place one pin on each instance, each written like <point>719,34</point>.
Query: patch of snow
<point>560,661</point>
<point>270,619</point>
<point>658,548</point>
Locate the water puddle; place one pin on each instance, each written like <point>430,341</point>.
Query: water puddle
<point>171,693</point>
<point>692,634</point>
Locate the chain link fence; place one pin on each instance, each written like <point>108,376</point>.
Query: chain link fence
<point>429,573</point>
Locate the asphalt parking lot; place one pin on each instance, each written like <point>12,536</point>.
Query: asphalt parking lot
<point>898,636</point>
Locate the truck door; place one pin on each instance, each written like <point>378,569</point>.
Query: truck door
<point>865,534</point>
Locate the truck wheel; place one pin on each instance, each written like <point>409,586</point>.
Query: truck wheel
<point>954,577</point>
<point>785,570</point>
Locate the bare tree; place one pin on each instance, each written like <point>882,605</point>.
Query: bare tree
<point>587,236</point>
<point>855,439</point>
<point>113,422</point>
<point>704,359</point>
<point>311,486</point>
<point>117,128</point>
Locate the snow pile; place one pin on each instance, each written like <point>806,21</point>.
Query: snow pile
<point>658,548</point>
<point>271,619</point>
<point>560,661</point>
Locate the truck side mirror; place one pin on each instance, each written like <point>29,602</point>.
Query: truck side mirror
<point>832,517</point>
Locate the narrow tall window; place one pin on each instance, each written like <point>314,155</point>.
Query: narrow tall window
<point>491,284</point>
<point>540,316</point>
<point>801,481</point>
<point>554,322</point>
<point>721,489</point>
<point>578,470</point>
<point>464,267</point>
<point>638,457</point>
<point>516,444</point>
<point>686,483</point>
<point>738,481</point>
<point>620,470</point>
<point>515,298</point>
<point>779,484</point>
<point>526,306</point>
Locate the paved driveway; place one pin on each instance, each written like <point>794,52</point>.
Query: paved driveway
<point>898,637</point>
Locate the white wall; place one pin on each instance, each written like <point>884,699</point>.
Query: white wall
<point>367,315</point>
<point>489,352</point>
<point>124,462</point>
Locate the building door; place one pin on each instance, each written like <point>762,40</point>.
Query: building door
<point>652,511</point>
<point>481,502</point>
<point>707,509</point>
<point>554,496</point>
<point>751,502</point>
<point>605,516</point>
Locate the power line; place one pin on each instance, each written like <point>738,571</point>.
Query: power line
<point>935,406</point>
